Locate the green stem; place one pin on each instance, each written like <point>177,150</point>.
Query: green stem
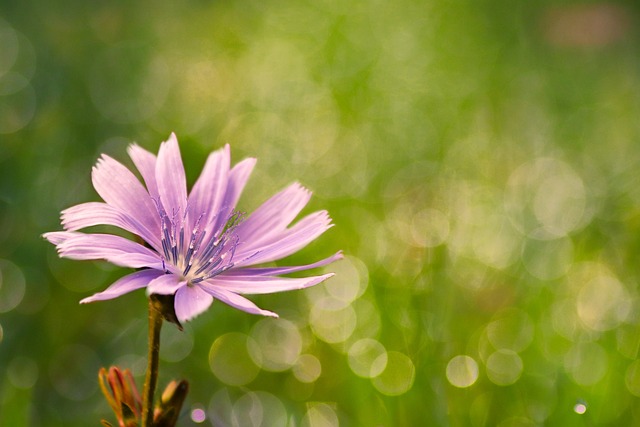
<point>151,379</point>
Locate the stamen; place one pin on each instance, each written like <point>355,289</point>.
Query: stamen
<point>212,249</point>
<point>193,248</point>
<point>208,256</point>
<point>166,241</point>
<point>181,238</point>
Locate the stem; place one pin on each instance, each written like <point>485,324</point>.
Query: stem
<point>151,379</point>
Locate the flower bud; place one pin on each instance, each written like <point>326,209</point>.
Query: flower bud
<point>122,395</point>
<point>168,409</point>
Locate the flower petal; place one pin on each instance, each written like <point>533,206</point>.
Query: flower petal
<point>209,190</point>
<point>238,177</point>
<point>167,284</point>
<point>264,284</point>
<point>96,213</point>
<point>291,240</point>
<point>273,216</point>
<point>234,300</point>
<point>119,187</point>
<point>126,284</point>
<point>190,301</point>
<point>58,237</point>
<point>146,164</point>
<point>171,179</point>
<point>274,271</point>
<point>115,249</point>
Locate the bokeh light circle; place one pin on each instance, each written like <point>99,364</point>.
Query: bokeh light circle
<point>495,242</point>
<point>259,409</point>
<point>10,46</point>
<point>462,371</point>
<point>504,367</point>
<point>545,198</point>
<point>586,363</point>
<point>367,358</point>
<point>220,409</point>
<point>12,286</point>
<point>397,377</point>
<point>320,415</point>
<point>12,82</point>
<point>350,281</point>
<point>548,259</point>
<point>23,372</point>
<point>603,303</point>
<point>429,228</point>
<point>632,378</point>
<point>330,324</point>
<point>368,321</point>
<point>229,359</point>
<point>198,414</point>
<point>580,408</point>
<point>511,329</point>
<point>307,369</point>
<point>279,344</point>
<point>17,109</point>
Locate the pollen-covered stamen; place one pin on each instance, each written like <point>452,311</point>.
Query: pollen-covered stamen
<point>166,234</point>
<point>184,220</point>
<point>218,265</point>
<point>166,240</point>
<point>216,255</point>
<point>207,254</point>
<point>194,245</point>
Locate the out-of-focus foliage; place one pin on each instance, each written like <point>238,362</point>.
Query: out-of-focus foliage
<point>481,160</point>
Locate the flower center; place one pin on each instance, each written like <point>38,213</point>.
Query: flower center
<point>207,252</point>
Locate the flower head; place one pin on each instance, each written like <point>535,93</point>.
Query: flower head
<point>198,246</point>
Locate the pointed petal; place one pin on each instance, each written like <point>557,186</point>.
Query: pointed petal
<point>96,213</point>
<point>286,243</point>
<point>146,164</point>
<point>274,271</point>
<point>58,237</point>
<point>190,301</point>
<point>128,283</point>
<point>208,192</point>
<point>171,179</point>
<point>119,187</point>
<point>115,249</point>
<point>234,300</point>
<point>264,284</point>
<point>238,177</point>
<point>273,216</point>
<point>167,284</point>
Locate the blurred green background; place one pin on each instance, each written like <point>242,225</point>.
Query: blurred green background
<point>481,161</point>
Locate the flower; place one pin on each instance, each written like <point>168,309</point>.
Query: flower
<point>198,246</point>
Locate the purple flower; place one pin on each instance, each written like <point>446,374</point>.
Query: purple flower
<point>199,248</point>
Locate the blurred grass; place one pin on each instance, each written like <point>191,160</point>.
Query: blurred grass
<point>480,161</point>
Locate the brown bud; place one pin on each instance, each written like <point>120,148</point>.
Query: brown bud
<point>168,410</point>
<point>122,395</point>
